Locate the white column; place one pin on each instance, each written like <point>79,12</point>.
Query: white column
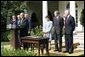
<point>72,8</point>
<point>72,11</point>
<point>44,10</point>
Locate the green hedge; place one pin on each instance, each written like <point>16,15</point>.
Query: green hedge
<point>6,36</point>
<point>82,18</point>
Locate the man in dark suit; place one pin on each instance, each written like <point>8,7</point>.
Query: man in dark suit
<point>58,25</point>
<point>27,16</point>
<point>24,27</point>
<point>69,28</point>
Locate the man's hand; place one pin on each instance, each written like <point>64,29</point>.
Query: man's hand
<point>45,32</point>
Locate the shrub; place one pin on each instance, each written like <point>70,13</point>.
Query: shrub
<point>18,52</point>
<point>37,31</point>
<point>82,18</point>
<point>6,36</point>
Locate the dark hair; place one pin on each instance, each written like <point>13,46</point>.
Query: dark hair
<point>57,12</point>
<point>47,16</point>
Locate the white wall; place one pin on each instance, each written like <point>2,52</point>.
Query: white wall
<point>62,6</point>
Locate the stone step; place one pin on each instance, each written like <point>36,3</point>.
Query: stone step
<point>77,45</point>
<point>74,41</point>
<point>78,42</point>
<point>81,42</point>
<point>63,43</point>
<point>80,33</point>
<point>78,36</point>
<point>80,39</point>
<point>80,48</point>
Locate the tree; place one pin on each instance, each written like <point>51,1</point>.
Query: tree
<point>82,18</point>
<point>9,8</point>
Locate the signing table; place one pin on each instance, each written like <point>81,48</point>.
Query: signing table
<point>38,42</point>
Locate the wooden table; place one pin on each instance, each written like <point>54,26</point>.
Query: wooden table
<point>38,42</point>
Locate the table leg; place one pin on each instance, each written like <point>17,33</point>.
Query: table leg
<point>47,50</point>
<point>39,49</point>
<point>42,51</point>
<point>32,47</point>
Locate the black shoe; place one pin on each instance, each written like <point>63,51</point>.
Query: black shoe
<point>55,50</point>
<point>70,52</point>
<point>65,51</point>
<point>59,51</point>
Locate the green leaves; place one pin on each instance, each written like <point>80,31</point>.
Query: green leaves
<point>6,36</point>
<point>82,18</point>
<point>18,52</point>
<point>37,31</point>
<point>9,8</point>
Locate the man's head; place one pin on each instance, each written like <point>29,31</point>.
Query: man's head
<point>56,13</point>
<point>21,15</point>
<point>18,16</point>
<point>13,17</point>
<point>26,15</point>
<point>67,12</point>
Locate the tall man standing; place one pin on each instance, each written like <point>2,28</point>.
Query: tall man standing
<point>58,25</point>
<point>69,28</point>
<point>24,27</point>
<point>27,16</point>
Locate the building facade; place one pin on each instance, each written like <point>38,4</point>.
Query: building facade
<point>43,8</point>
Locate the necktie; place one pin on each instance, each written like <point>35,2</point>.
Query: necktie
<point>20,21</point>
<point>65,19</point>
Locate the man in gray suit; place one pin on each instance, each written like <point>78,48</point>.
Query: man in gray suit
<point>69,28</point>
<point>58,26</point>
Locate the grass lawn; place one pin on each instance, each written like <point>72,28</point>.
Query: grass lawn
<point>6,50</point>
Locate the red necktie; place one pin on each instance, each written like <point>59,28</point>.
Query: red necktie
<point>65,19</point>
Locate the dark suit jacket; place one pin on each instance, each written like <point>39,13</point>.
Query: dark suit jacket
<point>58,24</point>
<point>24,27</point>
<point>69,25</point>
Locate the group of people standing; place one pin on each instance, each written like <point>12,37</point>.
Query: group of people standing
<point>21,25</point>
<point>65,24</point>
<point>62,25</point>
